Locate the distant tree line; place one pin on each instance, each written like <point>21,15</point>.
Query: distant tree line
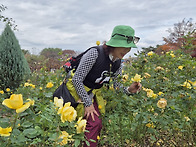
<point>49,58</point>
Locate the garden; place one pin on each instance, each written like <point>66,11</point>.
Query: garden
<point>162,114</point>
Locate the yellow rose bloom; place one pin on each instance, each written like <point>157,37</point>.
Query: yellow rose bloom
<point>154,96</point>
<point>23,108</point>
<point>147,75</point>
<point>165,78</point>
<point>7,89</point>
<point>58,102</point>
<point>125,77</point>
<point>180,67</point>
<point>1,91</point>
<point>160,93</point>
<point>97,42</point>
<point>64,136</point>
<point>186,84</point>
<point>172,55</point>
<point>137,78</point>
<point>68,113</point>
<point>162,103</point>
<point>149,125</point>
<point>32,85</point>
<point>150,53</point>
<point>159,68</point>
<point>81,125</point>
<point>49,85</point>
<point>16,102</point>
<point>5,131</point>
<point>40,88</point>
<point>187,118</point>
<point>150,93</point>
<point>26,84</point>
<point>98,137</point>
<point>193,84</point>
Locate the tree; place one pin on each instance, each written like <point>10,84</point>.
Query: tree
<point>13,65</point>
<point>36,62</point>
<point>7,20</point>
<point>56,57</point>
<point>176,35</point>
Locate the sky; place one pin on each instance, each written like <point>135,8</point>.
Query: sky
<point>78,24</point>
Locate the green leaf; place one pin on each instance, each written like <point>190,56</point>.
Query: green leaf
<point>153,138</point>
<point>30,131</point>
<point>77,142</point>
<point>26,124</point>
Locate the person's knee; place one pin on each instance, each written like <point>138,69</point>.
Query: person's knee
<point>98,123</point>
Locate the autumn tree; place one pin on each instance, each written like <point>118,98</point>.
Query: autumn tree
<point>179,31</point>
<point>13,65</point>
<point>56,57</point>
<point>36,62</point>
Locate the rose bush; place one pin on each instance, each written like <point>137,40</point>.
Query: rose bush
<point>163,113</point>
<point>42,120</point>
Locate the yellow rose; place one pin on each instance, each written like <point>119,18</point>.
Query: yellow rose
<point>172,55</point>
<point>23,108</point>
<point>1,91</point>
<point>16,102</point>
<point>137,78</point>
<point>147,75</point>
<point>193,84</point>
<point>58,102</point>
<point>32,85</point>
<point>49,85</point>
<point>187,118</point>
<point>26,84</point>
<point>162,103</point>
<point>180,67</point>
<point>150,93</point>
<point>81,125</point>
<point>154,96</point>
<point>150,53</point>
<point>125,77</point>
<point>187,85</point>
<point>159,68</point>
<point>7,89</point>
<point>5,131</point>
<point>97,42</point>
<point>64,136</point>
<point>68,113</point>
<point>149,125</point>
<point>160,93</point>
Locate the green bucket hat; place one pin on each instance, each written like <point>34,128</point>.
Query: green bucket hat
<point>123,36</point>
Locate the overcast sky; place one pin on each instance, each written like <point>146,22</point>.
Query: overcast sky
<point>78,24</point>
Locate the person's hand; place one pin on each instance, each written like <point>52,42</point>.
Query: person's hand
<point>135,87</point>
<point>90,111</point>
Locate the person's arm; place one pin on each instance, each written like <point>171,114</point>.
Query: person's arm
<point>135,87</point>
<point>86,64</point>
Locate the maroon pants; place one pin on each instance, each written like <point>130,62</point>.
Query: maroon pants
<point>94,127</point>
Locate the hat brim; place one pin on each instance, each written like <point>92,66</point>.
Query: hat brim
<point>120,43</point>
